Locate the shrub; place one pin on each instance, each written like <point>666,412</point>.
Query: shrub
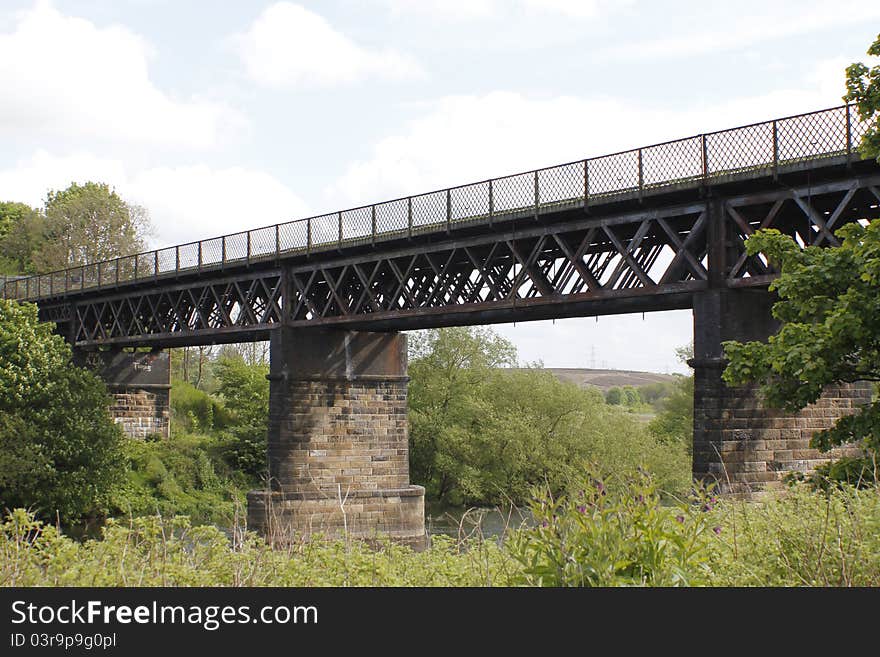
<point>615,532</point>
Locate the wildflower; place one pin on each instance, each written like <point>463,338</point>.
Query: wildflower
<point>717,531</point>
<point>679,518</point>
<point>544,523</point>
<point>640,499</point>
<point>706,508</point>
<point>582,509</point>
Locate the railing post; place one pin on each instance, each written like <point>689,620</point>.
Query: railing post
<point>775,151</point>
<point>848,137</point>
<point>277,242</point>
<point>373,221</point>
<point>641,175</point>
<point>51,286</point>
<point>586,183</point>
<point>176,259</point>
<point>491,200</point>
<point>537,196</point>
<point>448,210</point>
<point>156,263</point>
<point>409,215</point>
<point>704,154</point>
<point>66,280</point>
<point>137,269</point>
<point>82,277</point>
<point>199,267</point>
<point>339,221</point>
<point>99,275</point>
<point>308,235</point>
<point>117,272</point>
<point>248,257</point>
<point>223,252</point>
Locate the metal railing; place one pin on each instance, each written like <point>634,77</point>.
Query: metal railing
<point>755,149</point>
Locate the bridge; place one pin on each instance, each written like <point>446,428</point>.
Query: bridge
<point>654,228</point>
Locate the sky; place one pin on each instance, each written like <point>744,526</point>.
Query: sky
<point>218,116</point>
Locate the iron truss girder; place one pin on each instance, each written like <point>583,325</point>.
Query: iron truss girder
<point>645,259</point>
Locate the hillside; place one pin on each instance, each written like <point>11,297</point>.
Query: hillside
<point>605,379</point>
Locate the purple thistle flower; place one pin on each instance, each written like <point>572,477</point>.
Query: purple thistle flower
<point>679,519</point>
<point>717,531</point>
<point>582,509</point>
<point>600,487</point>
<point>640,499</point>
<point>544,523</point>
<point>706,508</point>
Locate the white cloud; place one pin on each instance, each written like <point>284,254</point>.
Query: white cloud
<point>747,28</point>
<point>575,8</point>
<point>66,77</point>
<point>469,138</point>
<point>196,202</point>
<point>463,10</point>
<point>289,45</point>
<point>185,203</point>
<point>445,9</point>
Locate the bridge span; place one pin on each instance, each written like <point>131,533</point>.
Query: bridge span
<point>654,228</point>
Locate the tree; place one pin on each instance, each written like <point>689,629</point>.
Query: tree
<point>829,306</point>
<point>245,391</point>
<point>21,230</point>
<point>614,396</point>
<point>89,223</point>
<point>60,451</point>
<point>863,89</point>
<point>481,433</point>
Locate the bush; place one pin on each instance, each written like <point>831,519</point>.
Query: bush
<point>182,475</point>
<point>615,532</point>
<point>802,538</point>
<point>60,452</point>
<point>193,410</point>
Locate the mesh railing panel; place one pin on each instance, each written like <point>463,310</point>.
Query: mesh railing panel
<point>469,202</point>
<point>263,242</point>
<point>392,216</point>
<point>674,161</point>
<point>741,149</point>
<point>357,223</point>
<point>754,148</point>
<point>325,229</point>
<point>429,209</point>
<point>821,134</point>
<point>293,236</point>
<point>212,251</point>
<point>613,174</point>
<point>561,184</point>
<point>513,193</point>
<point>236,247</point>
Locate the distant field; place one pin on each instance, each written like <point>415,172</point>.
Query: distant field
<point>605,379</point>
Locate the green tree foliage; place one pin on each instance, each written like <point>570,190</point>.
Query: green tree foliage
<point>614,396</point>
<point>88,223</point>
<point>631,396</point>
<point>244,389</point>
<point>481,434</point>
<point>21,231</point>
<point>194,411</point>
<point>675,421</point>
<point>185,475</point>
<point>863,89</point>
<point>615,533</point>
<point>59,448</point>
<point>830,312</point>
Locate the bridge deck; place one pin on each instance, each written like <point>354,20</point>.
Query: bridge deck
<point>640,230</point>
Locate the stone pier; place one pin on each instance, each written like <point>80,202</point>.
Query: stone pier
<point>338,444</point>
<point>140,384</point>
<point>738,441</point>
